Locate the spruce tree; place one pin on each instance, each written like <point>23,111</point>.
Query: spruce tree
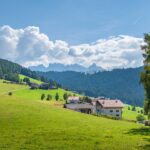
<point>145,75</point>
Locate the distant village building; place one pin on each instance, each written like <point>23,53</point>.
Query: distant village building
<point>83,108</point>
<point>73,99</point>
<point>109,107</point>
<point>44,86</point>
<point>52,87</point>
<point>34,86</point>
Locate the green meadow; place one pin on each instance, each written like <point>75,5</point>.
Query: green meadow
<point>131,115</point>
<point>27,123</point>
<point>31,79</point>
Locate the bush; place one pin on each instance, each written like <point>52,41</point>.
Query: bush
<point>133,108</point>
<point>140,118</point>
<point>56,97</point>
<point>10,93</point>
<point>49,97</point>
<point>142,111</point>
<point>85,99</point>
<point>65,96</point>
<point>42,96</point>
<point>128,107</point>
<point>27,80</point>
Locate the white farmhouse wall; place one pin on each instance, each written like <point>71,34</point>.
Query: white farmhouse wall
<point>115,112</point>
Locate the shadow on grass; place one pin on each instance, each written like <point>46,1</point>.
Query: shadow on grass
<point>142,132</point>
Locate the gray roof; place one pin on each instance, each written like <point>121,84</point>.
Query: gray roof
<point>79,106</point>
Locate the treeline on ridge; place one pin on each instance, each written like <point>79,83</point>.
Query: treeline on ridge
<point>10,71</point>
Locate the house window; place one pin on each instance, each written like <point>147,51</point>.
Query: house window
<point>117,115</point>
<point>111,110</point>
<point>117,110</point>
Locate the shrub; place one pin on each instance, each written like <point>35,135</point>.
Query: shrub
<point>133,108</point>
<point>27,80</point>
<point>85,99</point>
<point>140,117</point>
<point>49,97</point>
<point>65,96</point>
<point>142,111</point>
<point>10,93</point>
<point>128,107</point>
<point>42,96</point>
<point>56,97</point>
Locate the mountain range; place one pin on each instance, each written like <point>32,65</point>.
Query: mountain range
<point>73,67</point>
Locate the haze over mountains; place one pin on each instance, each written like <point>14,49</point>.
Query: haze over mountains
<point>73,67</point>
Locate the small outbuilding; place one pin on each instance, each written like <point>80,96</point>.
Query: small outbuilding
<point>73,99</point>
<point>34,86</point>
<point>83,108</point>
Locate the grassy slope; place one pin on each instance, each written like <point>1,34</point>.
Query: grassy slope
<point>31,79</point>
<point>5,88</point>
<point>129,114</point>
<point>26,123</point>
<point>36,94</point>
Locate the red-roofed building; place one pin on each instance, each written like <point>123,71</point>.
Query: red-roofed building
<point>109,107</point>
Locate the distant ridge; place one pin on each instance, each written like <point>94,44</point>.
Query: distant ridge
<point>123,84</point>
<point>73,67</point>
<point>11,71</point>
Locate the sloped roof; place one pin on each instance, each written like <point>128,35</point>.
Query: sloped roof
<point>111,103</point>
<point>79,106</point>
<point>75,98</point>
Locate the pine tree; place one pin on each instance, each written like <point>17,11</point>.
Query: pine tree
<point>1,73</point>
<point>145,75</point>
<point>42,96</point>
<point>49,97</point>
<point>57,97</point>
<point>65,96</point>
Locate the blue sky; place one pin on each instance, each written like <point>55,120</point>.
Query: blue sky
<point>106,32</point>
<point>78,21</point>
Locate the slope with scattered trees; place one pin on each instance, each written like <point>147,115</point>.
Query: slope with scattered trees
<point>123,84</point>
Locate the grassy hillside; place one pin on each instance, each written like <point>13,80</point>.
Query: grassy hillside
<point>131,115</point>
<point>5,87</point>
<point>31,79</point>
<point>35,124</point>
<point>24,91</point>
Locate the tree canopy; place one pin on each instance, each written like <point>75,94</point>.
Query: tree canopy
<point>145,75</point>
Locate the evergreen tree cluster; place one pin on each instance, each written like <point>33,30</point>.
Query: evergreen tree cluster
<point>145,75</point>
<point>123,84</point>
<point>10,71</point>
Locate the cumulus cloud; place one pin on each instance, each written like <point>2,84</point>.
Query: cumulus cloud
<point>30,47</point>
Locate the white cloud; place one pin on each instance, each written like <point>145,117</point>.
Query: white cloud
<point>30,47</point>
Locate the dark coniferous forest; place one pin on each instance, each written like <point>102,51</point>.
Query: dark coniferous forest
<point>123,84</point>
